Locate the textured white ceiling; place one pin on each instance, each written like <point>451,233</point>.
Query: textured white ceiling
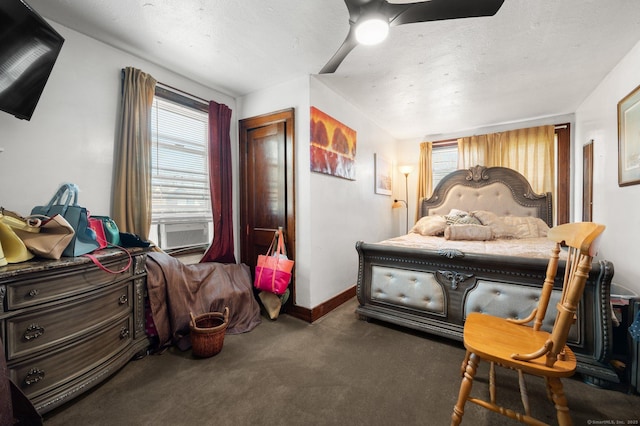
<point>534,58</point>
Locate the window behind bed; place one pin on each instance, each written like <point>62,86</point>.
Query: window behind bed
<point>444,160</point>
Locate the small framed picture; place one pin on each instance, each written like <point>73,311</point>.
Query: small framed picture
<point>629,139</point>
<point>382,175</point>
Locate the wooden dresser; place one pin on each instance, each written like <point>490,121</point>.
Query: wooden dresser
<point>67,325</point>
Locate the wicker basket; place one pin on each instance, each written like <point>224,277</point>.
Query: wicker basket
<point>207,333</point>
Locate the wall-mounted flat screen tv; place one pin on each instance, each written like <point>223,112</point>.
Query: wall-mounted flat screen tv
<point>29,47</point>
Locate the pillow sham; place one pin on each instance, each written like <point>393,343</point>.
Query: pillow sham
<point>429,226</point>
<point>499,228</point>
<point>469,232</point>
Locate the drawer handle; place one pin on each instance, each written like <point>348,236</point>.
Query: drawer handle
<point>33,376</point>
<point>33,332</point>
<point>124,332</point>
<point>34,292</point>
<point>123,299</point>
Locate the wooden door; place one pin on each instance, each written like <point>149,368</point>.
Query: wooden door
<point>266,184</point>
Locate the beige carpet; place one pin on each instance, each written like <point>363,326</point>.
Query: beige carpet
<point>337,371</point>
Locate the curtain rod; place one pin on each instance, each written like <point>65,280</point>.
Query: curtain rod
<point>166,86</point>
<point>451,141</point>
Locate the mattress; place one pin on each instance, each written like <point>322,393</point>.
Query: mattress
<point>524,247</point>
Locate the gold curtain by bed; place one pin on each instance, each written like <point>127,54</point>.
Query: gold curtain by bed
<point>530,151</point>
<point>425,175</point>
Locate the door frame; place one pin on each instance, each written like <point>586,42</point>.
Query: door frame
<point>587,181</point>
<point>286,116</point>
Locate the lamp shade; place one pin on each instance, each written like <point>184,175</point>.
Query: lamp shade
<point>398,203</point>
<point>405,170</point>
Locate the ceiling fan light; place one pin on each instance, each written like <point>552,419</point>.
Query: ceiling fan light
<point>372,31</point>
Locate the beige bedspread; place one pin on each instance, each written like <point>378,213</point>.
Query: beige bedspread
<point>525,247</point>
<point>176,289</point>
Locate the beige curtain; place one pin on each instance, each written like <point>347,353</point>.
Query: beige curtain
<point>425,175</point>
<point>530,151</point>
<point>481,150</point>
<point>131,204</point>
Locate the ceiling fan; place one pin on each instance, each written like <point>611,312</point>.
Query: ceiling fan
<point>369,20</point>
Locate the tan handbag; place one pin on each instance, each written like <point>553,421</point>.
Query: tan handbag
<point>54,236</point>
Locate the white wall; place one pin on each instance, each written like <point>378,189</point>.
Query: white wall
<point>331,213</point>
<point>344,211</point>
<point>70,137</point>
<point>614,206</point>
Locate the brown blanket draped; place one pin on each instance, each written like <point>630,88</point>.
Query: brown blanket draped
<point>176,289</point>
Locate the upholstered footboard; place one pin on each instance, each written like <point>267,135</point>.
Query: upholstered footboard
<point>434,292</point>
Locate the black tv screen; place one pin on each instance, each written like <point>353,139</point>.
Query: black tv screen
<point>29,47</point>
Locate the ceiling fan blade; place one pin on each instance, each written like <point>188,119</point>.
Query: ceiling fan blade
<point>407,13</point>
<point>347,46</point>
<point>357,7</point>
<point>354,7</point>
<point>438,10</point>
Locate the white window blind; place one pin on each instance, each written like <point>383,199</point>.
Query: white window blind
<point>444,160</point>
<point>179,174</point>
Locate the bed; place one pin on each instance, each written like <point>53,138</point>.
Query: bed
<point>433,287</point>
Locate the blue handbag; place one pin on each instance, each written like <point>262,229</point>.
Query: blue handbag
<point>65,203</point>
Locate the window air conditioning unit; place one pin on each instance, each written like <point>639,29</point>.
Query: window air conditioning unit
<point>178,235</point>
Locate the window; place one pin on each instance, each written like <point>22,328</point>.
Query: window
<point>444,160</point>
<point>180,202</point>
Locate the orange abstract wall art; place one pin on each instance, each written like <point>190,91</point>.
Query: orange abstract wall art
<point>333,146</point>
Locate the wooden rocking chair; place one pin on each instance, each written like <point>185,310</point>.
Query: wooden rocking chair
<point>528,349</point>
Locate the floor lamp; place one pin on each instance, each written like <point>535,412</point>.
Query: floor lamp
<point>405,170</point>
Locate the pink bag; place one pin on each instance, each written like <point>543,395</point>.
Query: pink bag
<point>98,228</point>
<point>273,271</point>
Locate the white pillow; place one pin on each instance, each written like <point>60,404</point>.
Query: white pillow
<point>457,212</point>
<point>429,226</point>
<point>499,228</point>
<point>527,227</point>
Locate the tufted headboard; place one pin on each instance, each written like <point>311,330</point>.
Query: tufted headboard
<point>500,190</point>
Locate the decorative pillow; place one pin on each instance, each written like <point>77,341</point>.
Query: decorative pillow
<point>465,219</point>
<point>527,227</point>
<point>429,225</point>
<point>468,232</point>
<point>499,228</point>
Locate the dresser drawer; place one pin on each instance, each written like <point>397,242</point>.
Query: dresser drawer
<point>48,371</point>
<point>43,328</point>
<point>54,286</point>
